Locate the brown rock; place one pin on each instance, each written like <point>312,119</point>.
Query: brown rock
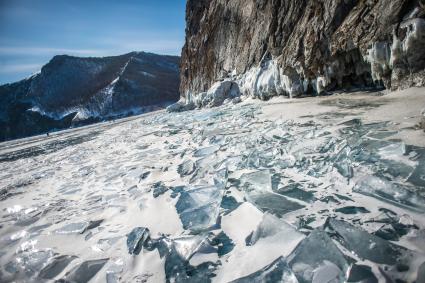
<point>347,43</point>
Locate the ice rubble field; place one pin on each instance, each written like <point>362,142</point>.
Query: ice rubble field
<point>217,195</point>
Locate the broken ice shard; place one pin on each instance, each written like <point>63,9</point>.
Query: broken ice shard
<point>390,192</point>
<point>294,191</point>
<point>273,203</point>
<point>394,168</point>
<point>272,227</point>
<point>259,180</point>
<point>73,228</point>
<point>277,271</point>
<point>186,246</point>
<point>199,207</point>
<point>344,168</point>
<point>229,204</point>
<point>317,258</point>
<point>352,210</point>
<point>363,244</point>
<point>417,178</point>
<point>31,262</point>
<point>343,163</point>
<point>397,149</point>
<point>113,270</point>
<point>136,239</point>
<point>258,190</point>
<point>223,243</point>
<point>177,254</point>
<point>85,271</point>
<point>55,267</point>
<point>159,189</point>
<point>421,274</point>
<point>186,168</point>
<point>220,179</point>
<point>393,228</point>
<point>206,151</point>
<point>361,273</point>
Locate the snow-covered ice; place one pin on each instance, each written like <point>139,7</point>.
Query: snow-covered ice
<point>307,190</point>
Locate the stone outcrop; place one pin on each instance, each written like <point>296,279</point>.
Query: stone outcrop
<point>275,47</point>
<point>72,91</point>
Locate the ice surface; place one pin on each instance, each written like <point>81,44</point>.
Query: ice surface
<point>114,270</point>
<point>30,262</point>
<point>186,168</point>
<point>390,192</point>
<point>361,273</point>
<point>179,251</point>
<point>352,210</point>
<point>206,151</point>
<point>137,239</point>
<point>273,203</point>
<point>365,245</point>
<point>421,273</point>
<point>275,229</point>
<point>258,190</point>
<point>259,180</point>
<point>187,246</point>
<point>199,207</point>
<point>73,228</point>
<point>417,177</point>
<point>85,271</point>
<point>318,258</point>
<point>224,244</point>
<point>277,271</point>
<point>55,267</point>
<point>159,189</point>
<point>218,195</point>
<point>343,163</point>
<point>294,191</point>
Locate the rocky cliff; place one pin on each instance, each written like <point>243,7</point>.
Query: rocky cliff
<point>274,47</point>
<point>73,91</point>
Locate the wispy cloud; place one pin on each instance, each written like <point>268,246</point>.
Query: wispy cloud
<point>19,50</point>
<point>15,68</point>
<point>158,46</point>
<point>123,44</point>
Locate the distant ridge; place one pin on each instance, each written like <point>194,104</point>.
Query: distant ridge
<point>71,91</point>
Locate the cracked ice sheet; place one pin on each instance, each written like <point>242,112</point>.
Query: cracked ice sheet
<point>111,176</point>
<point>245,259</point>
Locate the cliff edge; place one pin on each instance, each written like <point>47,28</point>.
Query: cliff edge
<point>275,47</point>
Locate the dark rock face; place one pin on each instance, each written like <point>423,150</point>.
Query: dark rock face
<point>71,91</point>
<point>273,47</point>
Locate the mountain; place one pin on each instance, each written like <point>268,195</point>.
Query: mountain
<point>71,91</point>
<point>276,47</point>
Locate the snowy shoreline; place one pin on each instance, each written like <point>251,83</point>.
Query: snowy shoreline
<point>214,187</point>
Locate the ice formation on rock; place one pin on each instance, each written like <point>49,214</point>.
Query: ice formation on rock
<point>282,48</point>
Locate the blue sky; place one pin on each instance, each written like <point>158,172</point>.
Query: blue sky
<point>33,31</point>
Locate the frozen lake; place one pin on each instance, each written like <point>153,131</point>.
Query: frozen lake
<point>325,189</point>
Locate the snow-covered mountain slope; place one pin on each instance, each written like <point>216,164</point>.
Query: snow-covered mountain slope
<point>330,189</point>
<point>72,91</point>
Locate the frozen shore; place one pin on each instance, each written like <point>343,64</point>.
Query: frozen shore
<point>316,189</point>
